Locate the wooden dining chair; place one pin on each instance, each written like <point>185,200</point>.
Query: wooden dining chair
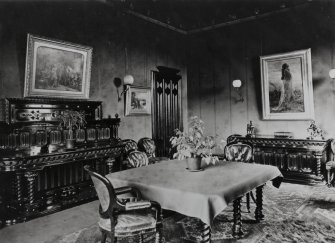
<point>240,152</point>
<point>120,217</point>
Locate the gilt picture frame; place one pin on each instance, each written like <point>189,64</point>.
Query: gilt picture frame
<point>138,101</point>
<point>287,90</point>
<point>57,69</point>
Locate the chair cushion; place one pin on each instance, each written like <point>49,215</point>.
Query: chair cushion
<point>129,223</point>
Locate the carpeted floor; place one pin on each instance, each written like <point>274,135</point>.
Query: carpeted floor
<point>293,213</point>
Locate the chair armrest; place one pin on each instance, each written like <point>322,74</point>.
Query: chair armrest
<point>127,189</point>
<point>159,213</point>
<point>137,205</point>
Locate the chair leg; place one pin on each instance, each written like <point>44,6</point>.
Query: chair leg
<point>248,202</point>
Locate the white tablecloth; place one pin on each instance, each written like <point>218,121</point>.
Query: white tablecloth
<point>202,194</point>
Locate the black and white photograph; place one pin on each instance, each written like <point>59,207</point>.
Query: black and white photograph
<point>167,121</point>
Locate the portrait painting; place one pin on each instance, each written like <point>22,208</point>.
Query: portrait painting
<point>57,69</point>
<point>287,91</point>
<point>138,101</point>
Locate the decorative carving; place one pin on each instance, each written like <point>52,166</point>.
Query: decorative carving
<point>110,163</point>
<point>54,176</point>
<point>300,160</point>
<point>206,233</point>
<point>31,176</point>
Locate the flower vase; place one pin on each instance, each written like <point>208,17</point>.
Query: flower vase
<point>193,164</point>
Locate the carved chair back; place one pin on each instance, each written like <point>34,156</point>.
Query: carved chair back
<point>105,191</point>
<point>241,152</point>
<point>147,145</point>
<point>130,145</point>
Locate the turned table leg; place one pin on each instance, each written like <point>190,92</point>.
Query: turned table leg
<point>259,204</point>
<point>206,233</point>
<point>237,226</point>
<point>318,156</point>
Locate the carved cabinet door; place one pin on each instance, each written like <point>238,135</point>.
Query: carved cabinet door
<point>166,112</point>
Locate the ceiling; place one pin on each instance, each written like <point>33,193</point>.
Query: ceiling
<point>194,16</point>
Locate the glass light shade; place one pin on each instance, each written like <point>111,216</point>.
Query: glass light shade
<point>332,73</point>
<point>128,79</point>
<point>237,83</point>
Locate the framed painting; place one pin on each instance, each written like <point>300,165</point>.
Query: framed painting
<point>287,91</point>
<point>138,101</point>
<point>57,69</point>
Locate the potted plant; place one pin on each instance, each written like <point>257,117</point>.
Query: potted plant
<point>193,145</point>
<point>71,119</point>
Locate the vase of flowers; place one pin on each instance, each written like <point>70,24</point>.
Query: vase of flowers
<point>194,145</point>
<point>71,120</point>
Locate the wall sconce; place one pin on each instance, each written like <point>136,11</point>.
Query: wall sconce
<point>237,84</point>
<point>127,80</point>
<point>332,76</point>
<point>332,73</point>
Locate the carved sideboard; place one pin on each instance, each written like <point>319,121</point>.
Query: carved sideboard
<point>38,175</point>
<point>300,160</point>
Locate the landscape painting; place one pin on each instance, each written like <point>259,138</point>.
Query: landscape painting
<point>57,69</point>
<point>287,90</point>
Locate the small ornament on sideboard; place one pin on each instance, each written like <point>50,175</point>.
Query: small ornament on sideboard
<point>251,130</point>
<point>315,132</point>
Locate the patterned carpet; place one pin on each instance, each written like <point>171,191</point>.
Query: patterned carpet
<point>293,213</point>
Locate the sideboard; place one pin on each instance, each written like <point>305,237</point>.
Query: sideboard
<point>38,174</point>
<point>300,160</point>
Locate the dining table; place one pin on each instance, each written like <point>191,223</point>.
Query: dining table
<point>204,193</point>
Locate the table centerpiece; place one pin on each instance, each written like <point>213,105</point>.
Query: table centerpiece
<point>194,145</point>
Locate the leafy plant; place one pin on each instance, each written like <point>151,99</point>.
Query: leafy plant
<point>194,143</point>
<point>71,119</point>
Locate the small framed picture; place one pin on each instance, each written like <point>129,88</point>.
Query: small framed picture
<point>138,101</point>
<point>287,90</point>
<point>57,69</point>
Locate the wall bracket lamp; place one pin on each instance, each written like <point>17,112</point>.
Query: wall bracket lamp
<point>332,76</point>
<point>332,73</point>
<point>237,84</point>
<point>127,80</point>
